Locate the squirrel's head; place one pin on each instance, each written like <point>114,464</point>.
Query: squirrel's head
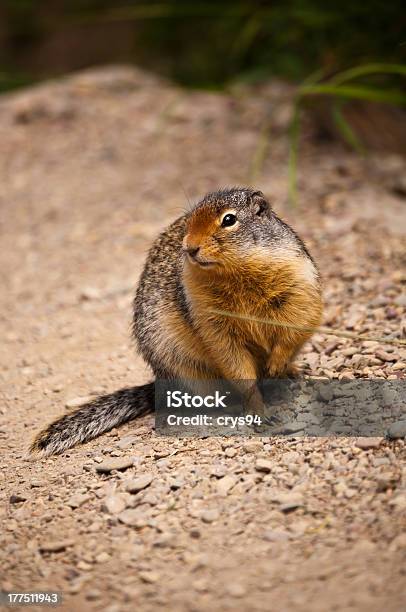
<point>227,227</point>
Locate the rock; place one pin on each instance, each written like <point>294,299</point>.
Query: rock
<point>325,393</point>
<point>397,430</point>
<point>331,347</point>
<point>276,535</point>
<point>149,577</point>
<point>399,502</point>
<point>349,352</point>
<point>288,501</point>
<point>201,585</point>
<point>253,447</point>
<point>115,463</point>
<point>291,428</point>
<point>114,504</point>
<point>236,590</point>
<point>90,293</point>
<point>151,499</point>
<point>102,557</point>
<point>209,516</point>
<point>263,465</point>
<point>224,485</point>
<point>164,540</point>
<point>84,566</point>
<point>384,356</point>
<point>398,543</point>
<point>56,546</point>
<point>76,402</point>
<point>230,452</point>
<point>367,443</point>
<point>17,498</point>
<point>391,313</point>
<point>385,481</point>
<point>161,454</point>
<point>137,484</point>
<point>132,517</point>
<point>77,500</point>
<point>127,441</point>
<point>95,527</point>
<point>37,483</point>
<point>93,595</point>
<point>218,471</point>
<point>379,461</point>
<point>176,484</point>
<point>291,457</point>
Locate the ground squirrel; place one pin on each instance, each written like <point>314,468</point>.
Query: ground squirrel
<point>229,253</point>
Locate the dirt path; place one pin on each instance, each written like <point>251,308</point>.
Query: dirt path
<point>90,169</point>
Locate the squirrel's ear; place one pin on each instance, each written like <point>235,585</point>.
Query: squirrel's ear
<point>261,205</point>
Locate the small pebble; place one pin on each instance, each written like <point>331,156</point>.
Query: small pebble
<point>102,557</point>
<point>367,443</point>
<point>83,565</point>
<point>224,485</point>
<point>17,498</point>
<point>263,465</point>
<point>289,501</point>
<point>397,430</point>
<point>148,577</point>
<point>37,483</point>
<point>137,484</point>
<point>253,447</point>
<point>77,500</point>
<point>236,590</point>
<point>115,463</point>
<point>131,517</point>
<point>209,516</point>
<point>114,504</point>
<point>76,402</point>
<point>276,535</point>
<point>56,546</point>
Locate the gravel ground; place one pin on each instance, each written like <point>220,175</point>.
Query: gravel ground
<point>91,167</point>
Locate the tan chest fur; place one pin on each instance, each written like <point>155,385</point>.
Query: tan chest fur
<point>283,292</point>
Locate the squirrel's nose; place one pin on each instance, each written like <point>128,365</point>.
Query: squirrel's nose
<point>192,250</point>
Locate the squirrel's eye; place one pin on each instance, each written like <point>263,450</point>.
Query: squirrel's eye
<point>228,220</point>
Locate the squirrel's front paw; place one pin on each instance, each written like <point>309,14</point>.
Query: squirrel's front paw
<point>287,371</point>
<point>293,371</point>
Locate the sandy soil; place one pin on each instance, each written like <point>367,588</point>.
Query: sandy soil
<point>91,168</point>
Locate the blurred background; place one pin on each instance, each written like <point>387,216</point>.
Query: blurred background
<point>347,58</point>
<point>199,44</point>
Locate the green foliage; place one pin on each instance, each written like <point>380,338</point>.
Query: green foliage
<point>340,88</point>
<point>210,43</point>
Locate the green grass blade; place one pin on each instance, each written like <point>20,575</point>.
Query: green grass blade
<point>367,69</point>
<point>356,92</point>
<point>345,129</point>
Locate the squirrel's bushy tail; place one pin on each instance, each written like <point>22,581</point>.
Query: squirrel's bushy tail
<point>93,419</point>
